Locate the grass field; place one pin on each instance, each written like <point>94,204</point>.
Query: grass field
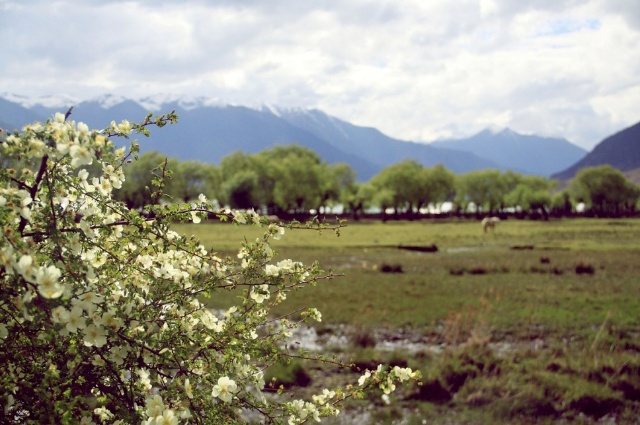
<point>515,289</point>
<point>572,284</point>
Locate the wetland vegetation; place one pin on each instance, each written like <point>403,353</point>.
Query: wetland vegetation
<point>537,322</point>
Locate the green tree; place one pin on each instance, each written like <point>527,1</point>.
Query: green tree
<point>532,194</point>
<point>511,179</point>
<point>241,189</point>
<point>404,181</point>
<point>191,178</point>
<point>240,181</point>
<point>298,174</point>
<point>283,178</point>
<point>137,189</point>
<point>437,185</point>
<point>561,204</point>
<point>357,197</point>
<point>384,198</point>
<point>605,190</point>
<point>299,188</point>
<point>336,179</point>
<point>484,188</point>
<point>267,179</point>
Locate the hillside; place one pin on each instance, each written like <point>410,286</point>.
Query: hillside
<point>621,150</point>
<point>14,116</point>
<point>378,148</point>
<point>633,175</point>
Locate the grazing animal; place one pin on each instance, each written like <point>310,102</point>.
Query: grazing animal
<point>489,223</point>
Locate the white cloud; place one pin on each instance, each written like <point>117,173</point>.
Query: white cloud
<point>416,70</point>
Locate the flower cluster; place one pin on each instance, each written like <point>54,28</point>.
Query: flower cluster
<point>386,379</point>
<point>158,414</point>
<point>102,317</point>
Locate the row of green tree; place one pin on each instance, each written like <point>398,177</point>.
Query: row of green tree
<point>294,179</point>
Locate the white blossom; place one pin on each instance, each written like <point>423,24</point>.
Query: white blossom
<point>224,389</point>
<point>124,127</point>
<point>403,374</point>
<point>271,270</point>
<point>80,155</point>
<point>260,293</point>
<point>75,319</point>
<point>26,269</point>
<point>364,377</point>
<point>94,336</point>
<point>194,217</point>
<point>155,406</point>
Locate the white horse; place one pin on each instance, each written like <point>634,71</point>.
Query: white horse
<point>489,223</point>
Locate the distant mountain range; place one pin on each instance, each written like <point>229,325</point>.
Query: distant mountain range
<point>208,130</point>
<point>528,154</point>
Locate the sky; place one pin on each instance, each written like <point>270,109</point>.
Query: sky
<point>417,70</point>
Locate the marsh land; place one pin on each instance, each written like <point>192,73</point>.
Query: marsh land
<point>536,322</point>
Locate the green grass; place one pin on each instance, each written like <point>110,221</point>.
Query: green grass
<point>517,294</point>
<point>594,234</point>
<point>477,289</point>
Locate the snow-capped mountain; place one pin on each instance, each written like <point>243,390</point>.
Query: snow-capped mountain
<point>48,101</point>
<point>107,101</point>
<point>210,129</point>
<point>156,102</point>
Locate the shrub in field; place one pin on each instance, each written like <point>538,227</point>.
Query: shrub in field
<point>363,337</point>
<point>479,270</point>
<point>101,319</point>
<point>391,268</point>
<point>457,271</point>
<point>584,268</point>
<point>433,391</point>
<point>287,375</point>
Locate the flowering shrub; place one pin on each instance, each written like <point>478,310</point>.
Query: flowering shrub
<point>101,319</point>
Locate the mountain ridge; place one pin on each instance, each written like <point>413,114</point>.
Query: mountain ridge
<point>620,150</point>
<point>527,153</point>
<point>210,129</point>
